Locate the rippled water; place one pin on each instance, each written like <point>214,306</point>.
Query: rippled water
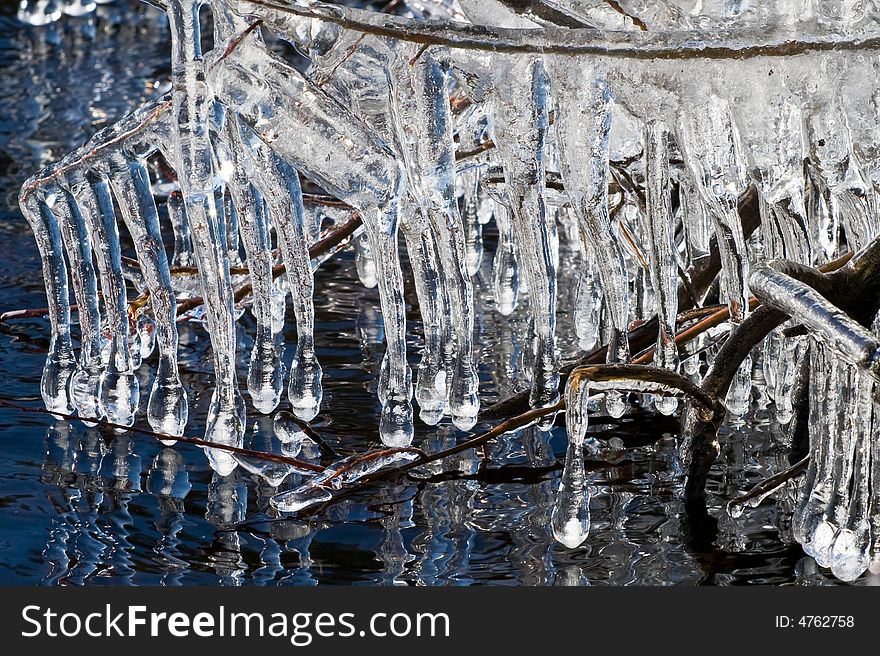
<point>80,507</point>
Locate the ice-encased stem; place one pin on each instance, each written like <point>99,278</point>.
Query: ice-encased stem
<point>849,339</point>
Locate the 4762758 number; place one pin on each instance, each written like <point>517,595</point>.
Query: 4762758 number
<point>815,622</point>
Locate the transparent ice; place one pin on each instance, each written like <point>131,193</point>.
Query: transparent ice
<point>638,153</point>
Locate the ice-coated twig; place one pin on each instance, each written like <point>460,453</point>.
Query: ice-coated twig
<point>847,337</point>
<point>653,44</point>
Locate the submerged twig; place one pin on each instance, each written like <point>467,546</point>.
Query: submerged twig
<point>195,441</point>
<point>771,483</point>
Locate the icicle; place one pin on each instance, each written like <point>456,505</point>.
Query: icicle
<point>85,381</point>
<point>788,364</point>
<point>710,143</point>
<point>697,224</point>
<point>588,304</point>
<point>473,228</point>
<point>570,520</point>
<point>279,184</point>
<point>850,550</point>
<point>265,371</point>
<point>192,105</point>
<point>431,378</point>
<point>505,267</point>
<point>424,117</point>
<point>664,268</point>
<point>119,388</point>
<point>60,362</point>
<point>571,512</point>
<point>167,409</point>
<point>843,443</point>
<point>825,443</point>
<point>583,123</point>
<point>840,173</point>
<point>521,123</point>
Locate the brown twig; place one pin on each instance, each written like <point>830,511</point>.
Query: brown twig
<point>638,22</point>
<point>336,237</point>
<point>28,313</point>
<point>620,374</point>
<point>771,483</point>
<point>507,426</point>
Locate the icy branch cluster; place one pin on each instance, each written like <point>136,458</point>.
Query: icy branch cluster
<point>631,128</point>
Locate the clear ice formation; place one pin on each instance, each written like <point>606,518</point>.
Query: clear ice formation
<point>630,131</point>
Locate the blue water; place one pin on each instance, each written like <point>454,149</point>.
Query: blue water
<point>78,506</point>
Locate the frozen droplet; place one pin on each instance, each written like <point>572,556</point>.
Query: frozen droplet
<point>119,396</point>
<point>305,390</point>
<point>849,554</point>
<point>570,519</point>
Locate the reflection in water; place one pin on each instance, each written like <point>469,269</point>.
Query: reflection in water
<point>169,481</point>
<point>227,506</point>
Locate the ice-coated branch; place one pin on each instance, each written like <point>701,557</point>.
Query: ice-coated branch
<point>645,379</point>
<point>855,343</point>
<point>850,284</point>
<point>659,44</point>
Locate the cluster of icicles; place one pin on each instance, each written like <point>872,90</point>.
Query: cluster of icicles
<point>569,140</point>
<point>43,12</point>
<point>837,514</point>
